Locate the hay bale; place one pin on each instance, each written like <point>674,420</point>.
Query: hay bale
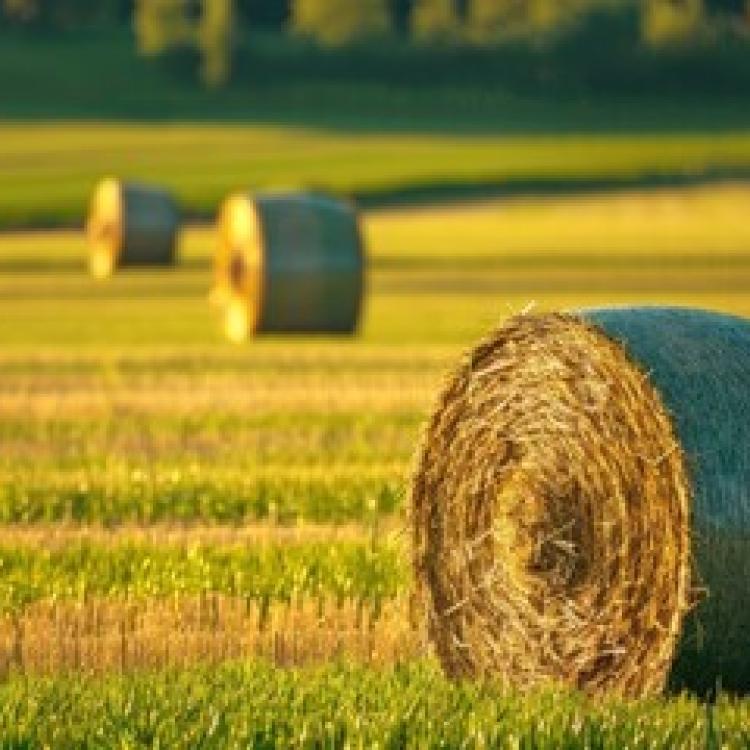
<point>130,225</point>
<point>581,505</point>
<point>289,263</point>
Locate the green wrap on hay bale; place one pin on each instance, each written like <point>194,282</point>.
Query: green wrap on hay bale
<point>130,225</point>
<point>289,262</point>
<point>581,506</point>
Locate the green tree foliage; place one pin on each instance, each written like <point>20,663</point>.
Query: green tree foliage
<point>64,13</point>
<point>266,14</point>
<point>214,41</point>
<point>203,25</point>
<point>334,22</point>
<point>161,25</point>
<point>669,21</point>
<point>400,13</point>
<point>728,7</point>
<point>490,19</point>
<point>20,10</point>
<point>436,19</point>
<point>497,19</point>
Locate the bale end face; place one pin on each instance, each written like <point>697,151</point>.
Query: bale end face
<point>238,268</point>
<point>551,515</point>
<point>104,228</point>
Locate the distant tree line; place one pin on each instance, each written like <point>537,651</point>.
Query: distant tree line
<point>211,27</point>
<point>399,16</point>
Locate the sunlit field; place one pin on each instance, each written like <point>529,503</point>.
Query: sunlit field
<point>169,501</point>
<point>49,169</point>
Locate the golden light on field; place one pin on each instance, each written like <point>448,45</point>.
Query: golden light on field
<point>439,275</point>
<point>643,226</point>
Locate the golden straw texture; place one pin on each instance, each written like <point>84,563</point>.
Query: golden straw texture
<point>551,514</point>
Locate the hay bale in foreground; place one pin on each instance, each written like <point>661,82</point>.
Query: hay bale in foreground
<point>289,263</point>
<point>581,507</point>
<point>130,225</point>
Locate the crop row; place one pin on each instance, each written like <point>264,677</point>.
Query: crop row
<point>372,571</point>
<point>110,634</point>
<point>253,705</point>
<point>231,440</point>
<point>284,495</point>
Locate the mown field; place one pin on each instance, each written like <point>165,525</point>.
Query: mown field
<point>50,168</point>
<point>205,545</point>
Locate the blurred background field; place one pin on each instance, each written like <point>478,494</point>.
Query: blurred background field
<point>169,500</point>
<point>439,274</point>
<point>49,169</point>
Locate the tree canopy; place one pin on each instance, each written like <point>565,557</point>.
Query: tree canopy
<point>210,28</point>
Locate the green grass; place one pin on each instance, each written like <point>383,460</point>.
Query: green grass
<point>267,572</point>
<point>116,493</point>
<point>256,706</point>
<point>49,169</point>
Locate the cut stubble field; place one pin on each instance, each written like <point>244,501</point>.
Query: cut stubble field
<point>169,499</point>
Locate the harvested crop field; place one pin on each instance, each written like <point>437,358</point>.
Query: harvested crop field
<point>189,527</point>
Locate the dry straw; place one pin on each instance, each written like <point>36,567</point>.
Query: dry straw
<point>130,225</point>
<point>120,635</point>
<point>582,486</point>
<point>288,262</point>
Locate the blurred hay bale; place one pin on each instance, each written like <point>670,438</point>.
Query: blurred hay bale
<point>583,482</point>
<point>288,262</point>
<point>130,225</point>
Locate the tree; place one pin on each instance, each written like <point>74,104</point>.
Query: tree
<point>21,11</point>
<point>204,25</point>
<point>434,19</point>
<point>667,21</point>
<point>727,7</point>
<point>161,25</point>
<point>64,13</point>
<point>334,22</point>
<point>492,19</point>
<point>400,15</point>
<point>265,14</point>
<point>214,41</point>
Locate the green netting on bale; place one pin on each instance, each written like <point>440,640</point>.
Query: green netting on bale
<point>312,264</point>
<point>150,221</point>
<point>580,509</point>
<point>700,363</point>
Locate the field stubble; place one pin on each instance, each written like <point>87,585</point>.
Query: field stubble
<point>145,463</point>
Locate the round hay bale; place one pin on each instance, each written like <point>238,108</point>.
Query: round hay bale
<point>289,262</point>
<point>581,504</point>
<point>130,225</point>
